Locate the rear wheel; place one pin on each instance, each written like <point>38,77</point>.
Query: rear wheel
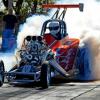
<point>2,70</point>
<point>84,64</point>
<point>45,77</point>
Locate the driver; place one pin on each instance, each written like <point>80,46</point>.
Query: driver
<point>54,29</point>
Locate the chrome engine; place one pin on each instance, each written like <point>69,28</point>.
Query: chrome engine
<point>35,51</point>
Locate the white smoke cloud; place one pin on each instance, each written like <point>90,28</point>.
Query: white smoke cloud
<point>87,21</point>
<point>32,26</point>
<point>9,60</point>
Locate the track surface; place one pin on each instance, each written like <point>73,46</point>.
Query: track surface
<point>59,91</point>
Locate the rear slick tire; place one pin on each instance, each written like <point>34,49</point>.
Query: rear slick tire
<point>84,64</point>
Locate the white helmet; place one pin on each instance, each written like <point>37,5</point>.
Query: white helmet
<point>54,28</point>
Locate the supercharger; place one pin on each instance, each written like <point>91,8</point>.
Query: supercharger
<point>35,52</point>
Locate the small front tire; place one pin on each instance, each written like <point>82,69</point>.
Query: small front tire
<point>2,70</point>
<point>45,77</point>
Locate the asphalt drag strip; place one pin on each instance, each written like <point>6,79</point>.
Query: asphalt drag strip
<point>62,91</point>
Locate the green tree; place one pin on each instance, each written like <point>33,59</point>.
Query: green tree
<point>25,6</point>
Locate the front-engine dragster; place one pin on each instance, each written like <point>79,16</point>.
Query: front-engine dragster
<point>50,54</point>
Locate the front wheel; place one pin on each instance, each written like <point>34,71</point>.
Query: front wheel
<point>2,70</point>
<point>45,77</point>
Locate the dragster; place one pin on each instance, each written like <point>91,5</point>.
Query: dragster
<point>51,54</point>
